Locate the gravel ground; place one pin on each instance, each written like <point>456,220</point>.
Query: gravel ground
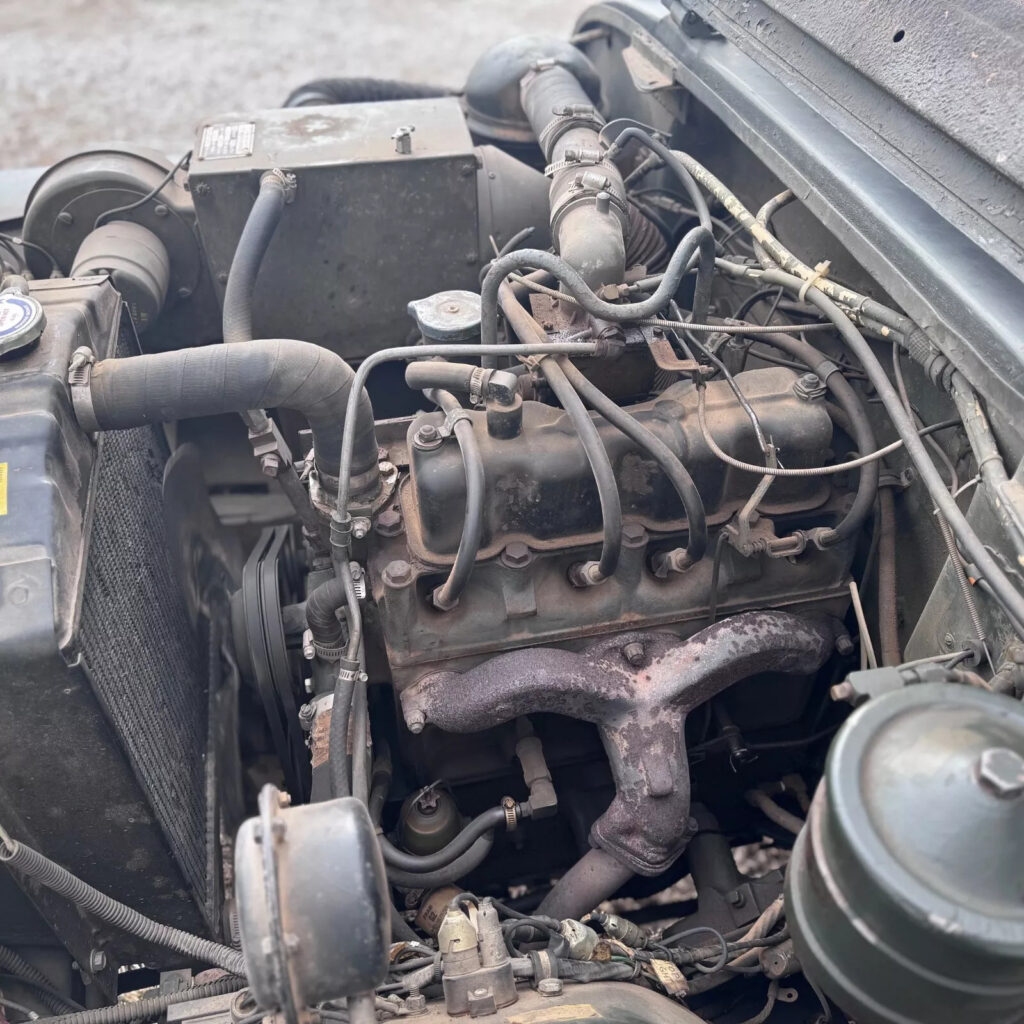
<point>78,72</point>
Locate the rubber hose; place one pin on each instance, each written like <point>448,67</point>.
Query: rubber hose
<point>322,607</point>
<point>33,977</point>
<point>696,241</point>
<point>600,464</point>
<point>435,373</point>
<point>245,265</point>
<point>888,611</point>
<point>330,91</point>
<point>595,877</point>
<point>669,462</point>
<point>447,595</point>
<point>186,383</point>
<point>344,688</point>
<point>147,1009</point>
<point>588,970</point>
<point>773,812</point>
<point>420,863</point>
<point>459,868</point>
<point>861,431</point>
<point>46,872</point>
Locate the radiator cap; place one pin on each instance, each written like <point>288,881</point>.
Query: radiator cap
<point>21,321</point>
<point>905,894</point>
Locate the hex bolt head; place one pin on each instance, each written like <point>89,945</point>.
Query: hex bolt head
<point>415,720</point>
<point>427,437</point>
<point>633,535</point>
<point>397,574</point>
<point>810,387</point>
<point>516,555</point>
<point>360,528</point>
<point>389,523</point>
<point>549,986</point>
<point>97,961</point>
<point>634,653</point>
<point>1001,772</point>
<point>270,464</point>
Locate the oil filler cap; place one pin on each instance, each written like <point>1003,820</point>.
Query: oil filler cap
<point>905,892</point>
<point>21,321</point>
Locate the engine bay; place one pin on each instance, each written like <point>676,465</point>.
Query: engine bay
<point>502,554</point>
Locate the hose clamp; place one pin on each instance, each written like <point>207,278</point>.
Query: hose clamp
<point>80,383</point>
<point>451,418</point>
<point>511,809</point>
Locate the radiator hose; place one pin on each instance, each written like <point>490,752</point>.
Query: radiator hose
<point>166,386</point>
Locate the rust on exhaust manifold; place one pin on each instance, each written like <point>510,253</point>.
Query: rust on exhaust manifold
<point>640,707</point>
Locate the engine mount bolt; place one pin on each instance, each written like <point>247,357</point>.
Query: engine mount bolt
<point>516,555</point>
<point>549,986</point>
<point>415,720</point>
<point>427,437</point>
<point>397,574</point>
<point>1001,772</point>
<point>634,653</point>
<point>389,523</point>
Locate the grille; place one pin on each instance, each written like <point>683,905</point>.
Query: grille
<point>139,645</point>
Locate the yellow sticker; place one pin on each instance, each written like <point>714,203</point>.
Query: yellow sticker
<point>3,488</point>
<point>670,977</point>
<point>556,1014</point>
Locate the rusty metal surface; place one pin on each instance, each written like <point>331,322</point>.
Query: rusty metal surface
<point>640,710</point>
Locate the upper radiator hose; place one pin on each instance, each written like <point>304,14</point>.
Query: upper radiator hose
<point>589,211</point>
<point>167,386</point>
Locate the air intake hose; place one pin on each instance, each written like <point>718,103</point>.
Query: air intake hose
<point>325,91</point>
<point>167,386</point>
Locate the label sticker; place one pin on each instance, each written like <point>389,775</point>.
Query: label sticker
<point>225,141</point>
<point>3,488</point>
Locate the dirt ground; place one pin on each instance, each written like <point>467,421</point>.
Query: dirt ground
<point>78,72</point>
